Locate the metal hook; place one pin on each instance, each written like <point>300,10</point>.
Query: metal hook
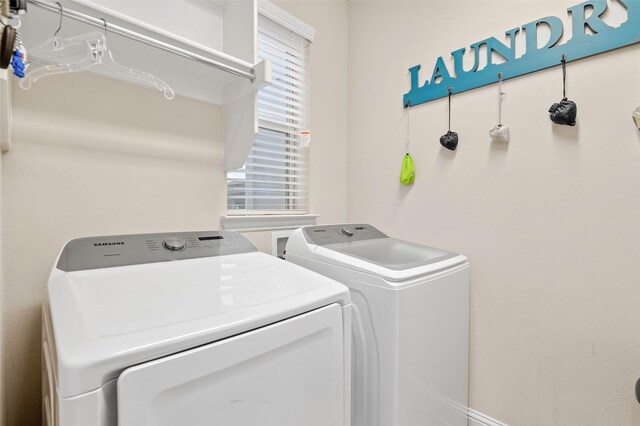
<point>450,90</point>
<point>500,85</point>
<point>105,27</point>
<point>564,58</point>
<point>60,23</point>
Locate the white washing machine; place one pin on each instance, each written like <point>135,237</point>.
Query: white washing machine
<point>192,329</point>
<point>410,322</point>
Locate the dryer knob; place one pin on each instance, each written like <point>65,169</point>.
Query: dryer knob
<point>174,244</point>
<point>348,232</point>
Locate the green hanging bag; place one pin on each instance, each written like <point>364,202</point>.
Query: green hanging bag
<point>408,172</point>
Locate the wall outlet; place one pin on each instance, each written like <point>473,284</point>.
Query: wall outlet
<point>279,242</point>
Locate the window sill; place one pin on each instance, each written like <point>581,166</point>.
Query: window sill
<point>255,223</point>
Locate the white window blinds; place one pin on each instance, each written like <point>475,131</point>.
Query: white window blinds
<point>275,177</point>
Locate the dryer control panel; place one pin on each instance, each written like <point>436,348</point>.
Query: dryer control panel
<point>322,235</point>
<point>123,250</point>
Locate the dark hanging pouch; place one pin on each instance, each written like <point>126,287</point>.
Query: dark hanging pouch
<point>6,46</point>
<point>565,111</point>
<point>450,139</point>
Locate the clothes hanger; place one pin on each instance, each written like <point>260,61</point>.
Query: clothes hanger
<point>82,53</point>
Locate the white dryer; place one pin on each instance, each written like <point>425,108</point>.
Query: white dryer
<point>410,322</point>
<point>192,329</point>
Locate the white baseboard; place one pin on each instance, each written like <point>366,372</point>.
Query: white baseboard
<point>478,419</point>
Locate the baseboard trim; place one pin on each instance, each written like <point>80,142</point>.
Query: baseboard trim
<point>478,419</point>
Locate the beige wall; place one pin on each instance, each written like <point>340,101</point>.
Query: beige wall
<point>550,223</point>
<point>3,415</point>
<point>92,156</point>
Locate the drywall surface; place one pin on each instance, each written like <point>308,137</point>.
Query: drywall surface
<point>3,414</point>
<point>94,157</point>
<point>549,222</point>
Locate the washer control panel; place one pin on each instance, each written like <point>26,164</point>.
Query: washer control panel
<point>323,235</point>
<point>124,250</point>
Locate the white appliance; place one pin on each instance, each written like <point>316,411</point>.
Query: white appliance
<point>192,329</point>
<point>410,347</point>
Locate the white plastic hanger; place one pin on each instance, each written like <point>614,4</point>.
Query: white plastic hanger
<point>81,53</point>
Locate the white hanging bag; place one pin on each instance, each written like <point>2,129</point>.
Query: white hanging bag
<point>500,133</point>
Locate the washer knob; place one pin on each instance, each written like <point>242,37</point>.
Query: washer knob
<point>348,232</point>
<point>174,244</point>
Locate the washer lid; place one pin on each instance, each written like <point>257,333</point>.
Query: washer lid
<point>364,248</point>
<point>393,254</point>
<point>105,320</point>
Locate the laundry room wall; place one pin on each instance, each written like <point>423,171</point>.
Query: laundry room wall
<point>93,156</point>
<point>549,222</point>
<point>2,370</point>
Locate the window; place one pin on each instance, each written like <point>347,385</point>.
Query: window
<point>275,176</point>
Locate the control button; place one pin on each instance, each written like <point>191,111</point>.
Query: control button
<point>348,232</point>
<point>174,244</point>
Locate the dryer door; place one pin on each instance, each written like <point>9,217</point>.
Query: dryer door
<point>290,373</point>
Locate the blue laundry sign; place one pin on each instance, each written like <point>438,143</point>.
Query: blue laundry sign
<point>583,43</point>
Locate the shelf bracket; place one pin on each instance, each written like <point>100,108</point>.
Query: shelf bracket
<point>240,102</point>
